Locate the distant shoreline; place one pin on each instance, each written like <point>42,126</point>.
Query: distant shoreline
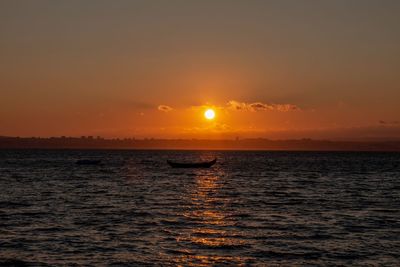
<point>258,144</point>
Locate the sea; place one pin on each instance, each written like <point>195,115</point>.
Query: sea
<point>251,208</point>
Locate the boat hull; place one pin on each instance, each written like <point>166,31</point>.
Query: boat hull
<point>88,162</point>
<point>207,164</point>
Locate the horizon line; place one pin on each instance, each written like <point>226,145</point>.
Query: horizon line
<point>98,137</point>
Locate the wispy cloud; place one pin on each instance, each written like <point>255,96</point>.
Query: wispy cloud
<point>259,106</point>
<point>164,108</point>
<point>234,105</point>
<point>382,122</point>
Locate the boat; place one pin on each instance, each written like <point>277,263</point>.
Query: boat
<point>88,162</point>
<point>203,164</point>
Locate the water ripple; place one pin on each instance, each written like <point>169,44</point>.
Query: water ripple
<point>251,208</point>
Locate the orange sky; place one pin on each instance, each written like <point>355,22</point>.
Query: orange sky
<point>275,69</point>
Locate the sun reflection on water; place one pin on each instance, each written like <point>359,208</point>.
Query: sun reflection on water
<point>212,239</point>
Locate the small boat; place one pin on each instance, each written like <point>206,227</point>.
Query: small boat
<point>88,161</point>
<point>204,164</point>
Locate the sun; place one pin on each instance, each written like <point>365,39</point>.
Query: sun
<point>209,114</point>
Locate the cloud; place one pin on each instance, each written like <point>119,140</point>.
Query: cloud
<point>164,108</point>
<point>253,107</point>
<point>259,106</point>
<point>382,122</point>
<point>207,106</point>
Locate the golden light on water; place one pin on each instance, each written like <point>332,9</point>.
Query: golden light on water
<point>212,229</point>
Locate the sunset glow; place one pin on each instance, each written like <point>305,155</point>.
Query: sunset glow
<point>199,133</point>
<point>265,69</point>
<point>209,114</point>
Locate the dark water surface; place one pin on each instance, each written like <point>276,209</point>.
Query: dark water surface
<point>251,208</point>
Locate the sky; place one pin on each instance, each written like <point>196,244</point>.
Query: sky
<point>272,69</point>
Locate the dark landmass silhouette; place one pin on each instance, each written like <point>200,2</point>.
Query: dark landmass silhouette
<point>89,142</point>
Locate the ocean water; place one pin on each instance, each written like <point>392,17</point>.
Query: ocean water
<point>250,209</point>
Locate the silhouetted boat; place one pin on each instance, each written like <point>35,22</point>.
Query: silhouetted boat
<point>88,161</point>
<point>204,164</point>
